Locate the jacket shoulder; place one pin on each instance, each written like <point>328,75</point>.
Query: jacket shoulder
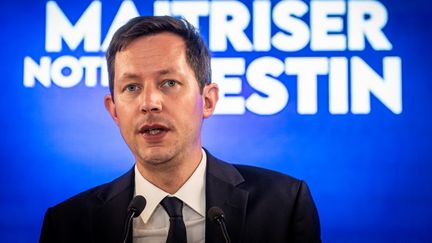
<point>279,199</point>
<point>73,220</point>
<point>100,193</point>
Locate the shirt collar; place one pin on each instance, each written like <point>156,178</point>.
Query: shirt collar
<point>192,193</point>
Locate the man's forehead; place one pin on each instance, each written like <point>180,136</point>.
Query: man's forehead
<point>159,39</point>
<point>161,47</point>
<point>152,56</point>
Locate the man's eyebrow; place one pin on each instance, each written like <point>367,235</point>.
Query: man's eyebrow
<point>133,76</point>
<point>166,71</point>
<point>128,76</point>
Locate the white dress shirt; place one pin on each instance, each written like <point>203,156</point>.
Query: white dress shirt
<point>153,224</point>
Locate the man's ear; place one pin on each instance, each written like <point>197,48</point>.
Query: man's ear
<point>111,107</point>
<point>210,99</point>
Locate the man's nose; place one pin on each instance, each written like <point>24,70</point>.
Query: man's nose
<point>151,100</point>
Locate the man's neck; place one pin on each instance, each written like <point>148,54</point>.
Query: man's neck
<point>171,175</point>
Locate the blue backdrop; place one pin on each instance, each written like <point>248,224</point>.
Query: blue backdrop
<point>368,165</point>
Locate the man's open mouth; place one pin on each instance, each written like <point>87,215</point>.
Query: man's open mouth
<point>153,129</point>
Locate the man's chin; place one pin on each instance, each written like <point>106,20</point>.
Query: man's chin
<point>156,157</point>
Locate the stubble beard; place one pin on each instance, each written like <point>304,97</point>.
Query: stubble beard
<point>154,159</point>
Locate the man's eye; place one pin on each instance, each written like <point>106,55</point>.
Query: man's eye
<point>170,83</point>
<point>131,88</point>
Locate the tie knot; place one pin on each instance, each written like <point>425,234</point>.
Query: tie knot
<point>173,206</point>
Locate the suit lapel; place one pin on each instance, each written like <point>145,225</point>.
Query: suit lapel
<point>111,213</point>
<point>222,191</point>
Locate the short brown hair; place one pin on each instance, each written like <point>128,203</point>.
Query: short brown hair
<point>197,54</point>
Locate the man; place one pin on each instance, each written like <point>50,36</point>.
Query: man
<point>160,92</point>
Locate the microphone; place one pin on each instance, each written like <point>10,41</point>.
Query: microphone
<point>216,215</point>
<point>136,206</point>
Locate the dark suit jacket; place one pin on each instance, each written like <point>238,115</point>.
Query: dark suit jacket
<point>259,206</point>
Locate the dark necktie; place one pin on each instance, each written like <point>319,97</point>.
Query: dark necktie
<point>177,230</point>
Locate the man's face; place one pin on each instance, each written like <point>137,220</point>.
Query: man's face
<point>157,101</point>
